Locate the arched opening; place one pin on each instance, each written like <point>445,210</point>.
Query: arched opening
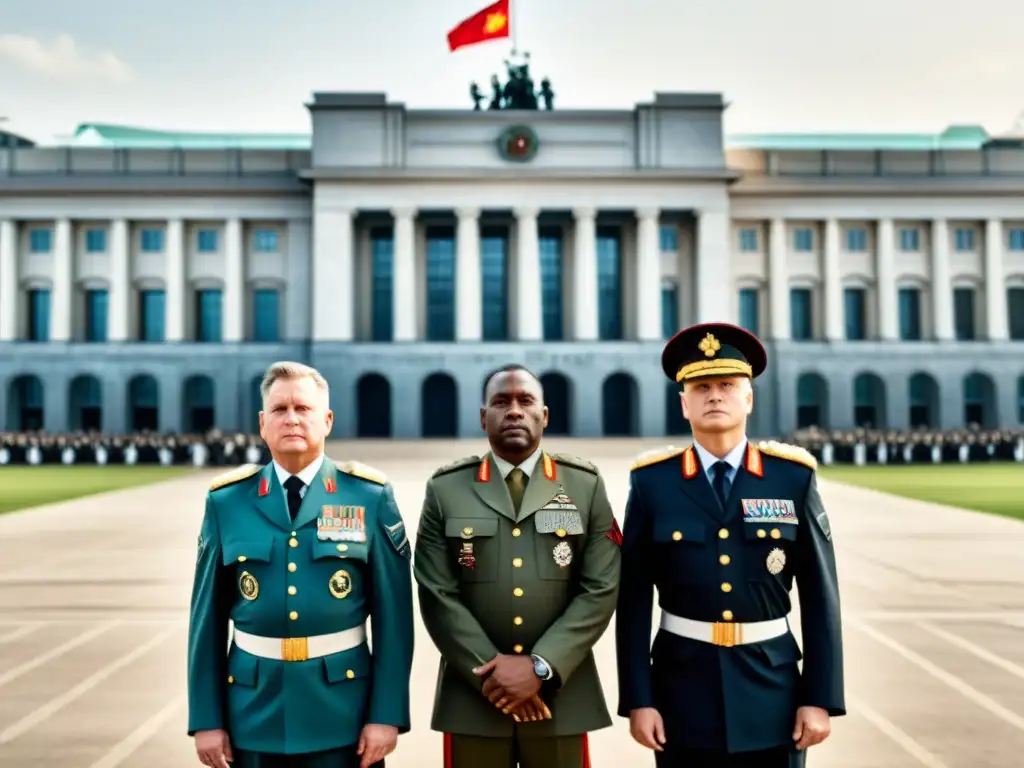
<point>811,401</point>
<point>85,404</point>
<point>979,401</point>
<point>439,414</point>
<point>143,404</point>
<point>373,406</point>
<point>675,422</point>
<point>620,405</point>
<point>924,401</point>
<point>199,404</point>
<point>25,410</point>
<point>558,401</point>
<point>869,401</point>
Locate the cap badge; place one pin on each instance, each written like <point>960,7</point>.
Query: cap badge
<point>709,345</point>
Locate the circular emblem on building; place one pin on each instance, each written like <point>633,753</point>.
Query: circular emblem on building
<point>248,586</point>
<point>340,584</point>
<point>518,143</point>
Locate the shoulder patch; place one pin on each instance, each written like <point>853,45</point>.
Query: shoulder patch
<point>574,461</point>
<point>656,456</point>
<point>363,471</point>
<point>466,461</point>
<point>235,475</point>
<point>391,519</point>
<point>789,452</point>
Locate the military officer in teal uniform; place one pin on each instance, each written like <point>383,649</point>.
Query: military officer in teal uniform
<point>722,529</point>
<point>299,554</point>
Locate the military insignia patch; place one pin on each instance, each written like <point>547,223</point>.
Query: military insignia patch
<point>769,511</point>
<point>344,523</point>
<point>562,554</point>
<point>248,586</point>
<point>559,521</point>
<point>201,544</point>
<point>466,557</point>
<point>560,501</point>
<point>824,523</point>
<point>776,561</point>
<point>340,584</point>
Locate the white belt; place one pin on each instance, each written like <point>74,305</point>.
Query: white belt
<point>300,648</point>
<point>724,633</point>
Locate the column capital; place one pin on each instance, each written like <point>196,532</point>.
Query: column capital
<point>584,212</point>
<point>527,212</point>
<point>648,212</point>
<point>404,211</point>
<point>467,212</point>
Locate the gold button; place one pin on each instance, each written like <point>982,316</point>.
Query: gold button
<point>293,543</point>
<point>560,532</point>
<point>350,674</point>
<point>760,533</point>
<point>517,562</point>
<point>517,620</point>
<point>292,567</point>
<point>726,587</point>
<point>776,533</point>
<point>241,558</point>
<point>724,559</point>
<point>343,547</point>
<point>293,615</point>
<point>727,615</point>
<point>677,536</point>
<point>518,648</point>
<point>292,590</point>
<point>294,533</point>
<point>516,532</point>
<point>230,679</point>
<point>467,531</point>
<point>518,591</point>
<point>723,533</point>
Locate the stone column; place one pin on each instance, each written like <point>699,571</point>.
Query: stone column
<point>996,320</point>
<point>648,276</point>
<point>63,280</point>
<point>529,312</point>
<point>468,286</point>
<point>713,273</point>
<point>118,298</point>
<point>584,283</point>
<point>174,297</point>
<point>333,288</point>
<point>834,325</point>
<point>234,282</point>
<point>885,281</point>
<point>778,281</point>
<point>941,286</point>
<point>9,293</point>
<point>404,281</point>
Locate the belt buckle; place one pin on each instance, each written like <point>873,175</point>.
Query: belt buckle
<point>295,648</point>
<point>726,634</point>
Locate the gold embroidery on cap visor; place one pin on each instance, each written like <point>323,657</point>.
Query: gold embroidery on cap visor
<point>720,367</point>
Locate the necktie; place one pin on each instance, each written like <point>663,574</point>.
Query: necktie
<point>516,482</point>
<point>721,469</point>
<point>294,485</point>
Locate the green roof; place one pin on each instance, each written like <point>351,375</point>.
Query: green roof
<point>124,136</point>
<point>954,137</point>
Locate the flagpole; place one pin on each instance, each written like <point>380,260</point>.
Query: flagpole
<point>513,26</point>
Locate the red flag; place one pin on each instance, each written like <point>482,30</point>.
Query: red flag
<point>491,23</point>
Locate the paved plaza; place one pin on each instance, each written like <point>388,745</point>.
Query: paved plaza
<point>93,621</point>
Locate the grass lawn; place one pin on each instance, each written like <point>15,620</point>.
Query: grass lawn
<point>24,486</point>
<point>993,488</point>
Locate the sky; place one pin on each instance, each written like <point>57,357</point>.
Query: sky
<point>252,65</point>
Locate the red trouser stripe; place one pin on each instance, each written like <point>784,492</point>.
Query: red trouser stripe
<point>586,751</point>
<point>447,750</point>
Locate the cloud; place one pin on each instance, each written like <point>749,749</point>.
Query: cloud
<point>63,60</point>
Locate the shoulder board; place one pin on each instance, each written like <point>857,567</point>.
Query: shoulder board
<point>363,471</point>
<point>235,475</point>
<point>788,452</point>
<point>466,461</point>
<point>656,456</point>
<point>574,461</point>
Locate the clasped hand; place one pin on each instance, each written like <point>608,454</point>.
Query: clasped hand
<point>511,685</point>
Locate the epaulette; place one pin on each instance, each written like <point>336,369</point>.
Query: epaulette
<point>656,456</point>
<point>364,471</point>
<point>466,461</point>
<point>575,461</point>
<point>788,452</point>
<point>235,475</point>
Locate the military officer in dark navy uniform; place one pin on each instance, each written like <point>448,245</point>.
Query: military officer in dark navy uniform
<point>722,529</point>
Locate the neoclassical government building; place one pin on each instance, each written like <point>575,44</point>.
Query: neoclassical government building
<point>148,278</point>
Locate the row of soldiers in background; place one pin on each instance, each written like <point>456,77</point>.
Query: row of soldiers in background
<point>214,449</point>
<point>912,446</point>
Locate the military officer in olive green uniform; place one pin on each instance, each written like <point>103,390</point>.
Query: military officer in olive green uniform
<point>517,562</point>
<point>299,554</point>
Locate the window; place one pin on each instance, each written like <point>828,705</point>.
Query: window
<point>151,316</point>
<point>801,319</point>
<point>381,286</point>
<point>855,313</point>
<point>1016,239</point>
<point>266,308</point>
<point>206,241</point>
<point>964,239</point>
<point>265,240</point>
<point>1015,312</point>
<point>749,310</point>
<point>856,240</point>
<point>669,309</point>
<point>39,315</point>
<point>609,284</point>
<point>208,315</point>
<point>910,314</point>
<point>95,241</point>
<point>552,295</point>
<point>96,315</point>
<point>669,237</point>
<point>803,239</point>
<point>963,313</point>
<point>748,239</point>
<point>910,239</point>
<point>440,284</point>
<point>494,284</point>
<point>40,240</point>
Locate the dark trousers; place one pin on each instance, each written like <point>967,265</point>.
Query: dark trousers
<point>524,752</point>
<point>684,757</point>
<point>335,758</point>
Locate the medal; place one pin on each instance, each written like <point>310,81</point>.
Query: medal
<point>466,557</point>
<point>562,554</point>
<point>248,586</point>
<point>340,584</point>
<point>776,561</point>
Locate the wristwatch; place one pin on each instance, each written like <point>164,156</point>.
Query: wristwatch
<point>541,668</point>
